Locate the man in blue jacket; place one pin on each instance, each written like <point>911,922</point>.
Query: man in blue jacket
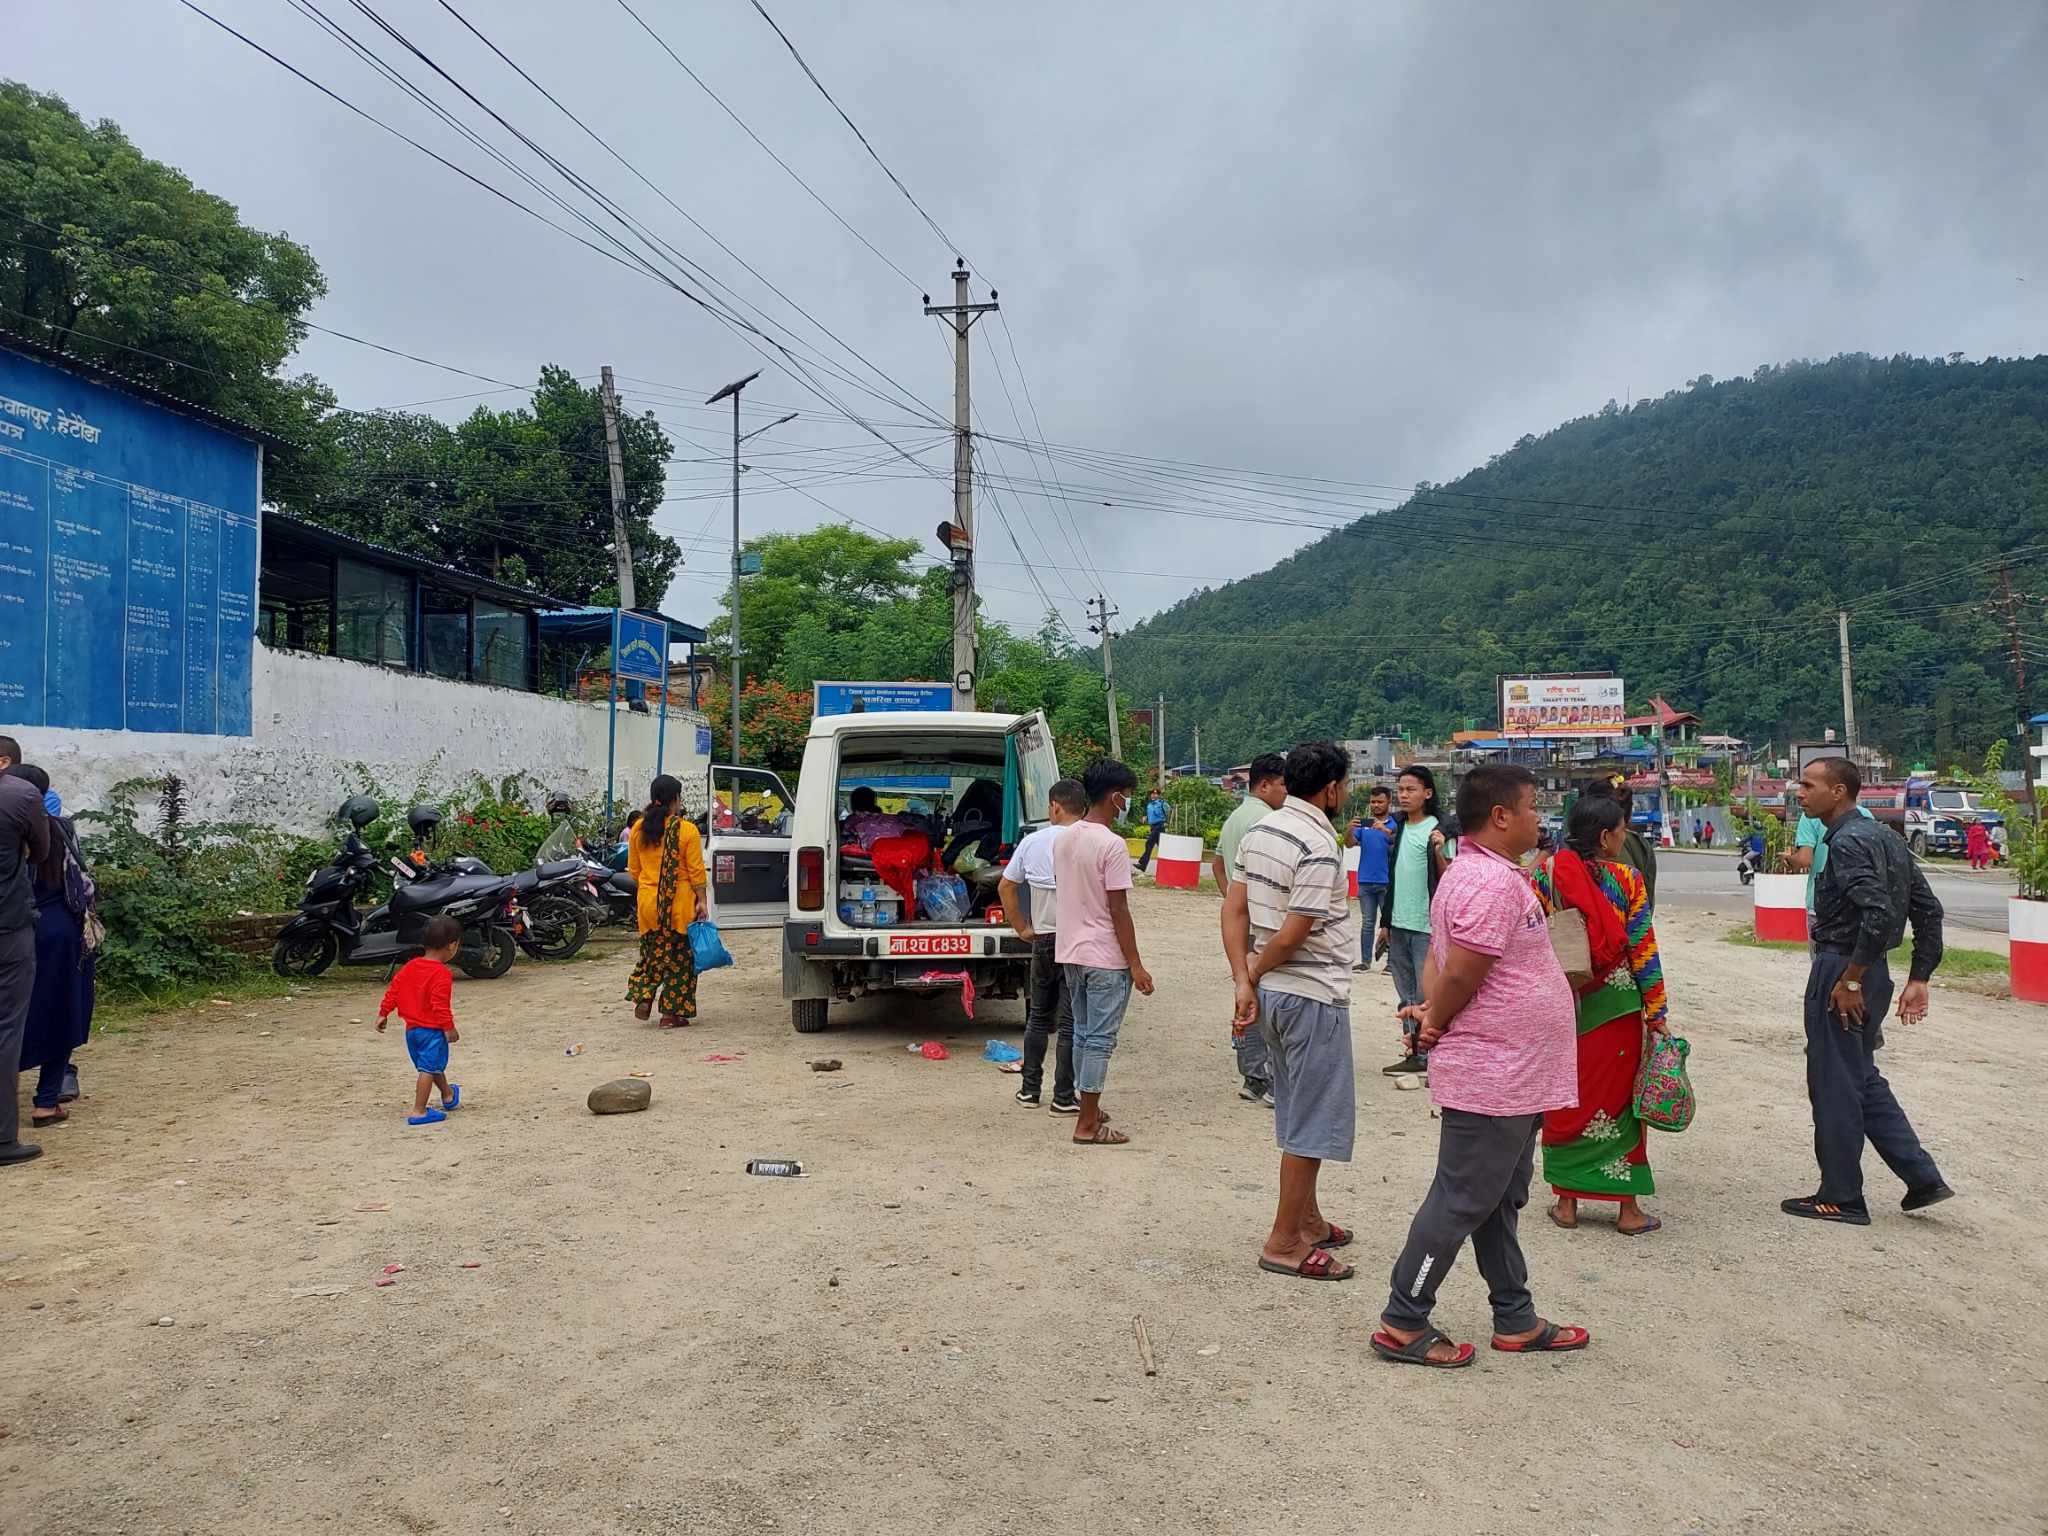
<point>1155,825</point>
<point>1374,839</point>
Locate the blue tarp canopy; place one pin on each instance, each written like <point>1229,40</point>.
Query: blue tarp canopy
<point>593,627</point>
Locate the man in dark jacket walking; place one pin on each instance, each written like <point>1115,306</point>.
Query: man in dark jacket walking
<point>1864,900</point>
<point>24,842</point>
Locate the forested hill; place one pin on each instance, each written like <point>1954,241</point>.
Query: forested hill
<point>1699,544</point>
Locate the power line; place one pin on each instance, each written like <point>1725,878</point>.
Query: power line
<point>951,246</point>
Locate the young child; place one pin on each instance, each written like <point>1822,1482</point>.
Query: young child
<point>421,995</point>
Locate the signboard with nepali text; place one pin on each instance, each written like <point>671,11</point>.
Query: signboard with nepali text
<point>128,549</point>
<point>1562,704</point>
<point>879,698</point>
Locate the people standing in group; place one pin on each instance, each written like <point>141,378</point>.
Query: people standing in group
<point>1869,891</point>
<point>1977,844</point>
<point>1266,793</point>
<point>60,1007</point>
<point>666,861</point>
<point>1595,1150</point>
<point>1029,891</point>
<point>24,844</point>
<point>1415,866</point>
<point>1096,940</point>
<point>1287,932</point>
<point>1155,826</point>
<point>1374,839</point>
<point>1497,1021</point>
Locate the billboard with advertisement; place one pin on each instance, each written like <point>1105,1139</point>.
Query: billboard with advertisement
<point>1562,704</point>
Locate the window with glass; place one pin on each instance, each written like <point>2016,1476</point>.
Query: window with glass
<point>502,646</point>
<point>444,634</point>
<point>374,615</point>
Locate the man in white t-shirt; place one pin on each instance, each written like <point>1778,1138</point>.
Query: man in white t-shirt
<point>1030,903</point>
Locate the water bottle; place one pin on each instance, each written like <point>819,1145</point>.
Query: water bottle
<point>867,906</point>
<point>776,1167</point>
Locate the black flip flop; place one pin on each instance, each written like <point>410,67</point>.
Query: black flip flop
<point>1416,1351</point>
<point>40,1121</point>
<point>1317,1266</point>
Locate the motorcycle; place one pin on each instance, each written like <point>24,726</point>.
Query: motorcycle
<point>1748,867</point>
<point>555,912</point>
<point>330,929</point>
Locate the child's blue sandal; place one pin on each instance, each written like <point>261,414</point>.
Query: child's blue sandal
<point>431,1117</point>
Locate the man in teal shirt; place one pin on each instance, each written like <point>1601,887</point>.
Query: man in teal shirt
<point>1810,850</point>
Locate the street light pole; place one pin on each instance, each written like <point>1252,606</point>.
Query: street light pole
<point>733,390</point>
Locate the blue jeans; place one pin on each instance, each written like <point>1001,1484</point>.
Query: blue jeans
<point>1370,899</point>
<point>1099,998</point>
<point>1407,953</point>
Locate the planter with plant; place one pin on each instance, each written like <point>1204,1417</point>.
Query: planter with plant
<point>1779,896</point>
<point>2026,854</point>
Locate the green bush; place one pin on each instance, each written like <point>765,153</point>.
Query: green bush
<point>1194,805</point>
<point>154,907</point>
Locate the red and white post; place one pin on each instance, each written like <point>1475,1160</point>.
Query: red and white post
<point>1351,871</point>
<point>1179,862</point>
<point>1780,907</point>
<point>2026,924</point>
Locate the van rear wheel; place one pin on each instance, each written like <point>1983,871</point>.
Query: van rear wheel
<point>808,1014</point>
<point>1917,841</point>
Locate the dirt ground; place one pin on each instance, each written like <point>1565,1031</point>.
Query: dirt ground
<point>933,1330</point>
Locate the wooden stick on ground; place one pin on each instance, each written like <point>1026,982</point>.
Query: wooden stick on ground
<point>1144,1346</point>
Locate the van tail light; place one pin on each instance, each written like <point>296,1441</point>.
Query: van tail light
<point>810,879</point>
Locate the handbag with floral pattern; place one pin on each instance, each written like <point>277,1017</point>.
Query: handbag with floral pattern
<point>1664,1096</point>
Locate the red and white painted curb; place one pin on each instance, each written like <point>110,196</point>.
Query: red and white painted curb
<point>1351,871</point>
<point>1179,862</point>
<point>2026,923</point>
<point>1780,907</point>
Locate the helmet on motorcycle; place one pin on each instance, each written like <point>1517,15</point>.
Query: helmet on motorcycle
<point>358,811</point>
<point>424,821</point>
<point>561,803</point>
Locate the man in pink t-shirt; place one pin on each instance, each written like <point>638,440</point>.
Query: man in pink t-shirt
<point>1096,944</point>
<point>1499,1023</point>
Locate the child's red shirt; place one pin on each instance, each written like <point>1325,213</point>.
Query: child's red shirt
<point>422,994</point>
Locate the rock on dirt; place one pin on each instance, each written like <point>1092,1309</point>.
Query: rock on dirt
<point>621,1096</point>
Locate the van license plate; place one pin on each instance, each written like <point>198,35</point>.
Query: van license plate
<point>931,944</point>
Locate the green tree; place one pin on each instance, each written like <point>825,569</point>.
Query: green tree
<point>119,259</point>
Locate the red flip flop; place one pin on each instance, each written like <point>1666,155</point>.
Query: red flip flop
<point>1416,1350</point>
<point>1550,1339</point>
<point>1317,1266</point>
<point>1338,1238</point>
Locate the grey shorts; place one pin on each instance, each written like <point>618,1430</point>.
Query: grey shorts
<point>1315,1102</point>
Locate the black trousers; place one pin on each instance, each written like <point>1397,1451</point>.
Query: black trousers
<point>17,984</point>
<point>1047,1011</point>
<point>1483,1166</point>
<point>1852,1103</point>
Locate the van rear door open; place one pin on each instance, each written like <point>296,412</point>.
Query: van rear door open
<point>747,852</point>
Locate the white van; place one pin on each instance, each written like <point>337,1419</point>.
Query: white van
<point>967,783</point>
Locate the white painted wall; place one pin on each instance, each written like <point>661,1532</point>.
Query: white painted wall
<point>316,716</point>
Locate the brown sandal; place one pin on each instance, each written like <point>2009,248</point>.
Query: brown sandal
<point>1317,1266</point>
<point>1103,1137</point>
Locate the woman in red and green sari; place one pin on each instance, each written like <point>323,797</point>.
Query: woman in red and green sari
<point>1595,1151</point>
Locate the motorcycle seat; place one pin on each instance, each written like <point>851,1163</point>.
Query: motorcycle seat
<point>560,869</point>
<point>440,891</point>
<point>623,883</point>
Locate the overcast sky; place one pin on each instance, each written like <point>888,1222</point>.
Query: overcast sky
<point>1371,242</point>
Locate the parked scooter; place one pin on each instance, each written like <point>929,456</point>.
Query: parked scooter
<point>331,929</point>
<point>554,911</point>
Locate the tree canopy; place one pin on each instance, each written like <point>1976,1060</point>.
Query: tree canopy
<point>1699,544</point>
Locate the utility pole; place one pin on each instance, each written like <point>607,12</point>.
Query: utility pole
<point>1101,613</point>
<point>1848,690</point>
<point>622,549</point>
<point>732,392</point>
<point>961,315</point>
<point>2019,678</point>
<point>1198,751</point>
<point>1159,737</point>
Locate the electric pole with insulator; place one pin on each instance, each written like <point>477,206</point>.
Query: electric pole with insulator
<point>958,536</point>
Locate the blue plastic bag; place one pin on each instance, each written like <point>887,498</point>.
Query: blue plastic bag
<point>707,949</point>
<point>1001,1050</point>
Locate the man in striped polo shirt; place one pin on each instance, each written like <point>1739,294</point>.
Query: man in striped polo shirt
<point>1287,927</point>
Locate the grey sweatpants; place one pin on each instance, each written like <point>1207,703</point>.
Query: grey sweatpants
<point>1851,1100</point>
<point>1483,1163</point>
<point>17,984</point>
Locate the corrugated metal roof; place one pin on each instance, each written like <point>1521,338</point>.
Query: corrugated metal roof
<point>110,378</point>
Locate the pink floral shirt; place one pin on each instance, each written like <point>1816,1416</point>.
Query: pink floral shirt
<point>1513,1049</point>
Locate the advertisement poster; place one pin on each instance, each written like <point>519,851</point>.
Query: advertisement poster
<point>1561,705</point>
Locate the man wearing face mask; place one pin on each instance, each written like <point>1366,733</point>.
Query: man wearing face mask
<point>1287,928</point>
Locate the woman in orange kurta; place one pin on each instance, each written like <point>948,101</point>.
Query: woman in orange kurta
<point>666,861</point>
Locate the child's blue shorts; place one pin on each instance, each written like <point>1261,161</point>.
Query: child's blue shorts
<point>428,1048</point>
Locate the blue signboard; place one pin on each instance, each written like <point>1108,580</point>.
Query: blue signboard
<point>643,648</point>
<point>873,698</point>
<point>704,741</point>
<point>128,552</point>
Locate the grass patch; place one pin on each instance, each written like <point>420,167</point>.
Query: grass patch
<point>1970,970</point>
